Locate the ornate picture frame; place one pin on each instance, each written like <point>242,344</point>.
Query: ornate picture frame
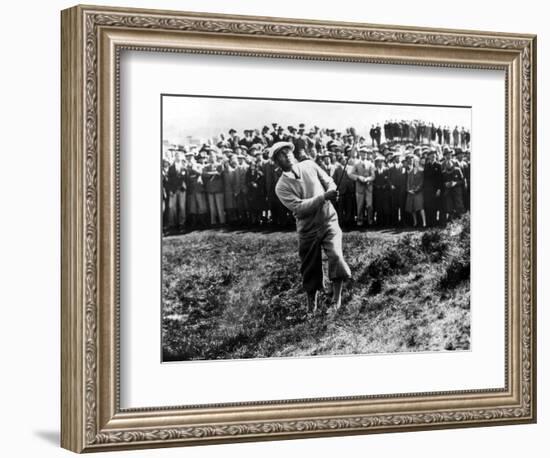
<point>92,40</point>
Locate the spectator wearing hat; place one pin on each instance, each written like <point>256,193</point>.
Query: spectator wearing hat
<point>197,206</point>
<point>397,131</point>
<point>257,138</point>
<point>406,129</point>
<point>233,139</point>
<point>176,193</point>
<point>279,135</point>
<point>377,135</point>
<point>413,131</point>
<point>439,133</point>
<point>452,187</point>
<point>433,186</point>
<point>300,141</point>
<point>387,132</point>
<point>433,132</point>
<point>247,141</point>
<point>323,161</point>
<point>312,140</point>
<point>262,157</point>
<point>229,181</point>
<point>467,191</point>
<point>455,136</point>
<point>346,189</point>
<point>213,183</point>
<point>267,139</point>
<point>254,179</point>
<point>363,175</point>
<point>398,195</point>
<point>372,135</point>
<point>447,135</point>
<point>371,154</point>
<point>415,197</point>
<point>165,193</point>
<point>428,133</point>
<point>465,169</point>
<point>406,132</point>
<point>332,145</point>
<point>308,192</point>
<point>381,192</point>
<point>241,190</point>
<point>390,134</point>
<point>462,138</point>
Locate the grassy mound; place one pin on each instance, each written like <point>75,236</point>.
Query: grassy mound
<point>239,295</point>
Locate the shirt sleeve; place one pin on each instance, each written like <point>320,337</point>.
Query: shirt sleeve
<point>327,182</point>
<point>301,208</point>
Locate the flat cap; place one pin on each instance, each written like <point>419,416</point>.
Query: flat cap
<point>278,146</point>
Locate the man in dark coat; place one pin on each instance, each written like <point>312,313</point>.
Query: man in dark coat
<point>439,132</point>
<point>346,201</point>
<point>397,190</point>
<point>446,135</point>
<point>467,138</point>
<point>465,169</point>
<point>165,194</point>
<point>248,140</point>
<point>279,135</point>
<point>387,131</point>
<point>177,187</point>
<point>453,184</point>
<point>372,134</point>
<point>381,192</point>
<point>378,135</point>
<point>433,186</point>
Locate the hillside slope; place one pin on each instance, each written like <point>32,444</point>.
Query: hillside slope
<point>238,295</point>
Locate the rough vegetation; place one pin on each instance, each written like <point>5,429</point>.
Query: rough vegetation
<point>238,295</point>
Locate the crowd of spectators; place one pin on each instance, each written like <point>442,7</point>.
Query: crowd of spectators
<point>406,173</point>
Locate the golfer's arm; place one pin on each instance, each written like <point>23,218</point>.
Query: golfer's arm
<point>327,182</point>
<point>300,207</point>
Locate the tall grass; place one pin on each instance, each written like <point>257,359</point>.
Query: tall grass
<point>238,295</point>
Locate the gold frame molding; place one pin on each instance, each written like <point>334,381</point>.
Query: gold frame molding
<point>92,39</point>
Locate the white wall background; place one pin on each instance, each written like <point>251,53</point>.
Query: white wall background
<point>29,242</point>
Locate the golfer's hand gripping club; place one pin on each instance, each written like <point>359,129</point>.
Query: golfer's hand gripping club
<point>331,195</point>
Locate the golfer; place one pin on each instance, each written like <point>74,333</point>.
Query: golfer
<point>307,191</point>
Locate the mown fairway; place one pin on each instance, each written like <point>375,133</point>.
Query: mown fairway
<point>238,295</point>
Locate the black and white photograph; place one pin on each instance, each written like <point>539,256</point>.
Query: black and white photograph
<point>301,228</point>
